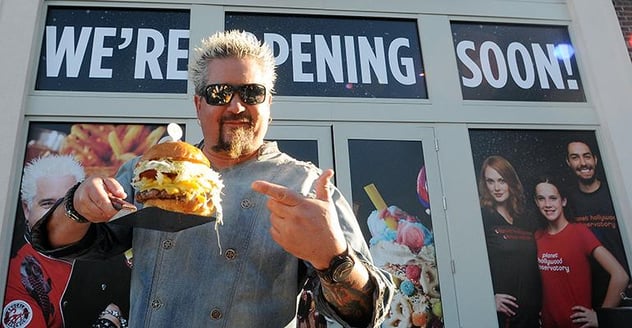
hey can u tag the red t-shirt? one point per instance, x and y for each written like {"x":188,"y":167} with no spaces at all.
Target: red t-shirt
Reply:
{"x":35,"y":286}
{"x":564,"y":265}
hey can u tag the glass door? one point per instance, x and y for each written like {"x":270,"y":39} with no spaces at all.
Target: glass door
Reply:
{"x":391,"y":175}
{"x":307,"y":143}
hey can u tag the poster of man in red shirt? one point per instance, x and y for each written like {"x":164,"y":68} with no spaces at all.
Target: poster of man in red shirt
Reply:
{"x":47,"y":292}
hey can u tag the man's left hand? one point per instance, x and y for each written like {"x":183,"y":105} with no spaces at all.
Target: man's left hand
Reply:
{"x":306,"y":227}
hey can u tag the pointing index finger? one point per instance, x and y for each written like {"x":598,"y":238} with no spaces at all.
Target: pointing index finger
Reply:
{"x":277,"y":192}
{"x":323,"y":186}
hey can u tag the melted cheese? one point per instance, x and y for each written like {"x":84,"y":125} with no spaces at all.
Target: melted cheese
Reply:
{"x":185,"y":173}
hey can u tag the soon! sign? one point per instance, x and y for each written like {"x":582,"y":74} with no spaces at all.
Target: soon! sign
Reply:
{"x":516,"y":62}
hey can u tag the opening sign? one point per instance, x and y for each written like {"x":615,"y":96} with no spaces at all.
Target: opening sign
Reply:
{"x":147,"y":50}
{"x":340,"y":56}
{"x":516,"y":62}
{"x":114,"y":50}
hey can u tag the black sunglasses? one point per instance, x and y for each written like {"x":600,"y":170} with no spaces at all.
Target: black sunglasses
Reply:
{"x":222,"y":94}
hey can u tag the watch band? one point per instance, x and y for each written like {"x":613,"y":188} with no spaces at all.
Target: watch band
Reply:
{"x":339,"y":269}
{"x":69,"y":206}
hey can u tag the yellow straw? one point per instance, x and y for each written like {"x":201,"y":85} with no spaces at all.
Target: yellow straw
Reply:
{"x":375,"y":197}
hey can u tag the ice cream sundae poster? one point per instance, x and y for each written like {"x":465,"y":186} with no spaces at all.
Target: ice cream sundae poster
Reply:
{"x":390,"y":198}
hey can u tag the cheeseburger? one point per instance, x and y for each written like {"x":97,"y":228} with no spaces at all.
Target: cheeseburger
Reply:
{"x":176,"y":176}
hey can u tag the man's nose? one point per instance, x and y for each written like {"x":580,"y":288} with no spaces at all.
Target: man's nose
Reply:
{"x":236,"y":105}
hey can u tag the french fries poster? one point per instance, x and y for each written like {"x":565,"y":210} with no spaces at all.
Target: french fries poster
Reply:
{"x":100,"y":148}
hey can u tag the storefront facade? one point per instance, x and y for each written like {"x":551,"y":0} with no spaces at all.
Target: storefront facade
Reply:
{"x":410,"y":97}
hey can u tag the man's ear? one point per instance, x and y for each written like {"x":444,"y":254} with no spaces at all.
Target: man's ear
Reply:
{"x":25,"y":208}
{"x":27,"y":213}
{"x":197,"y":102}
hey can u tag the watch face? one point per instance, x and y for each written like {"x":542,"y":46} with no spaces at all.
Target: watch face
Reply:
{"x":343,"y":270}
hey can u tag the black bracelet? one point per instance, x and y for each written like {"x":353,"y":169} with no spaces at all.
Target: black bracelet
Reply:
{"x":117,"y":315}
{"x":103,"y":323}
{"x":69,"y":206}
